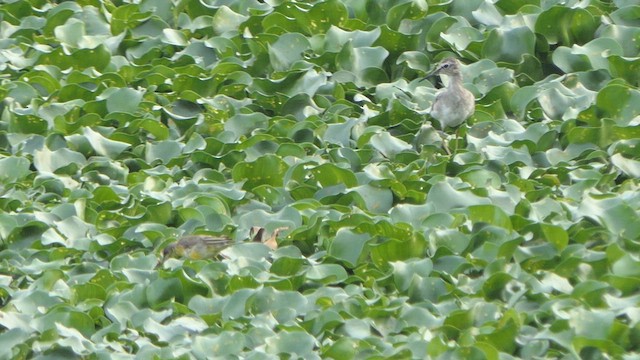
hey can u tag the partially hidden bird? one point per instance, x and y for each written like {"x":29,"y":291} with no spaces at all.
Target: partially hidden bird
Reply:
{"x":196,"y":247}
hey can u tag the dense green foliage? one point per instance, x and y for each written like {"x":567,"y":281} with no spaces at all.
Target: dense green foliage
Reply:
{"x":126,"y":124}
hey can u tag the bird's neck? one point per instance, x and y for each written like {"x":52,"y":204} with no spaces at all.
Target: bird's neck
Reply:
{"x":455,"y":81}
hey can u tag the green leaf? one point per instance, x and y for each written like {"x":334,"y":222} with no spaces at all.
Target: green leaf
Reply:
{"x":104,"y":146}
{"x":619,"y":102}
{"x":296,"y":343}
{"x":555,"y":235}
{"x":165,"y":151}
{"x":587,"y":57}
{"x":394,"y":250}
{"x":226,"y":343}
{"x":444,"y":198}
{"x":162,"y":290}
{"x":13,"y":169}
{"x":266,"y":170}
{"x":405,"y":271}
{"x":287,"y":50}
{"x":122,"y":100}
{"x":61,"y":160}
{"x":329,"y":175}
{"x":327,"y":273}
{"x":509,"y":45}
{"x":226,"y":20}
{"x":244,"y":124}
{"x":388,"y":145}
{"x":349,"y":247}
{"x":628,"y":166}
{"x":565,"y":25}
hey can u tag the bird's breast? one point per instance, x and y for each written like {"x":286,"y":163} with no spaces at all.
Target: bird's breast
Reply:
{"x":452,"y":108}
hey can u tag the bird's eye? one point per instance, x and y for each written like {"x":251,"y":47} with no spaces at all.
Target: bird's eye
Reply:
{"x":445,"y":66}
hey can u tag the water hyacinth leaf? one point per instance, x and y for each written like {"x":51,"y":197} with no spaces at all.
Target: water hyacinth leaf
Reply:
{"x":628,"y":166}
{"x":48,"y":161}
{"x":296,"y":343}
{"x":394,"y":250}
{"x":626,"y":36}
{"x":290,"y":266}
{"x":324,"y":15}
{"x":462,"y":37}
{"x":287,"y":50}
{"x":330,"y":175}
{"x":627,"y":265}
{"x":453,"y":240}
{"x":555,"y":235}
{"x":360,"y":61}
{"x":98,"y":58}
{"x":10,"y":341}
{"x":165,"y":151}
{"x":613,"y":213}
{"x":66,"y":317}
{"x":426,"y":289}
{"x":183,"y":110}
{"x":349,"y":246}
{"x":73,"y":34}
{"x":504,"y":337}
{"x":13,"y":169}
{"x":564,"y":25}
{"x":243,"y":124}
{"x":174,"y":37}
{"x":587,"y":57}
{"x":266,"y":170}
{"x":21,"y":92}
{"x":404,"y":271}
{"x":378,"y":200}
{"x":620,"y":102}
{"x":104,"y":146}
{"x":415,"y":60}
{"x":226,"y":20}
{"x":122,"y":100}
{"x":510,"y":45}
{"x":327,"y":273}
{"x":336,"y":38}
{"x":444,"y":198}
{"x":486,"y":14}
{"x":490,"y":214}
{"x":226,"y":343}
{"x":486,"y":75}
{"x":388,"y":145}
{"x":199,"y":85}
{"x":396,"y":42}
{"x":126,"y":17}
{"x":162,"y":290}
{"x":625,"y":68}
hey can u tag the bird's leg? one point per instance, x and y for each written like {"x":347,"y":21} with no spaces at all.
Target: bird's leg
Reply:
{"x":445,"y":142}
{"x":457,"y":137}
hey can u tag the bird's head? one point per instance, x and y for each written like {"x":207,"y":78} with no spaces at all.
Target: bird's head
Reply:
{"x":448,"y":66}
{"x":169,"y":251}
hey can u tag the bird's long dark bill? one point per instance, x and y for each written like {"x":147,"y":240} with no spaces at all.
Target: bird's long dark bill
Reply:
{"x":432,"y":73}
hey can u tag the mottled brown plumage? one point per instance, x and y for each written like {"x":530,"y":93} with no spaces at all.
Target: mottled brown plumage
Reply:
{"x":197,"y":247}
